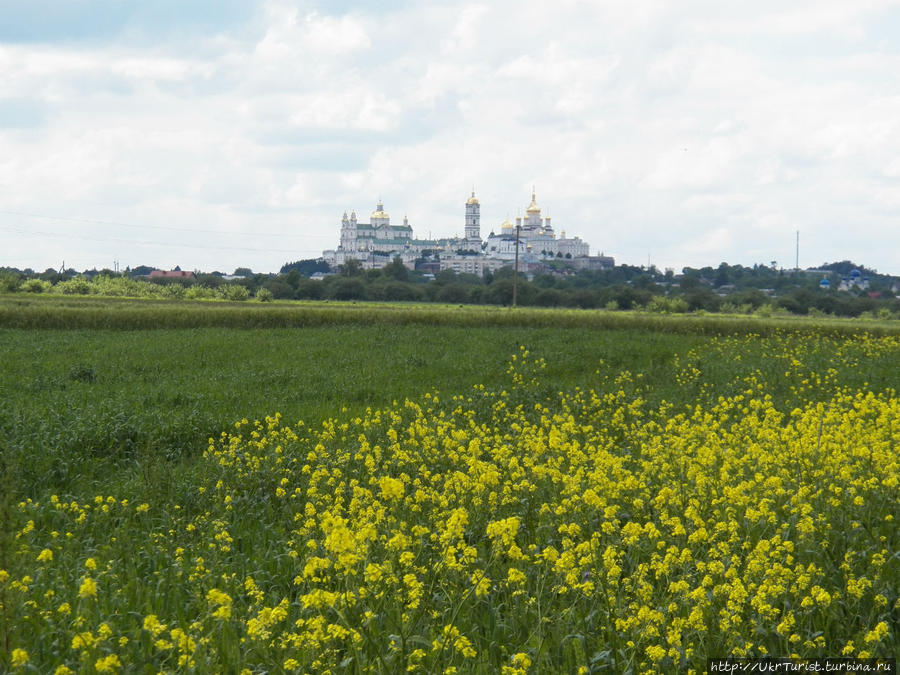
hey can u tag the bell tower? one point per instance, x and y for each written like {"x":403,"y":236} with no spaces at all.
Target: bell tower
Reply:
{"x":473,"y":222}
{"x":348,"y":232}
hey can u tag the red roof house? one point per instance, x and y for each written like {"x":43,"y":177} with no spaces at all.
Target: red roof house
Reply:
{"x":173,"y":274}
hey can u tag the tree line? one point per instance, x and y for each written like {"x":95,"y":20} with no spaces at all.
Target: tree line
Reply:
{"x":762,"y":289}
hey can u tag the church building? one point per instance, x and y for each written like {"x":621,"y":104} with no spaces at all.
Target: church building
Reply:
{"x":376,"y":243}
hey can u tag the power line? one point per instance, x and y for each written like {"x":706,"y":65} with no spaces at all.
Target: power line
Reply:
{"x":92,"y":221}
{"x":138,"y":242}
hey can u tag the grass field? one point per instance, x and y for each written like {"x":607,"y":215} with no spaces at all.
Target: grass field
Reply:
{"x":471,"y":490}
{"x":75,"y":397}
{"x":71,"y":312}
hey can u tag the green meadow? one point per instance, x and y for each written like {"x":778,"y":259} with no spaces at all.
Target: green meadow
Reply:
{"x":325,"y":487}
{"x":94,"y":388}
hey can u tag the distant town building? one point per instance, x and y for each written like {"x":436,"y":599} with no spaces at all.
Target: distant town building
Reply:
{"x":172,"y":274}
{"x":854,"y":280}
{"x":376,"y":243}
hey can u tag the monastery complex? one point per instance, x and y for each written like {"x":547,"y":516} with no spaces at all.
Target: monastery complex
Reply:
{"x":377,"y":243}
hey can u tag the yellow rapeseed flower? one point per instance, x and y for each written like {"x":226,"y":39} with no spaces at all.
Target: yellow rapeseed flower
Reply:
{"x":88,"y":588}
{"x":877,"y":634}
{"x":108,"y":664}
{"x":84,"y":640}
{"x":153,"y":625}
{"x":19,"y":658}
{"x":221,"y":601}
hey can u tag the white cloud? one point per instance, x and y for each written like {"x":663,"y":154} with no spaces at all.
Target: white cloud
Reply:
{"x":465,"y":34}
{"x":696,"y":132}
{"x":292,"y":36}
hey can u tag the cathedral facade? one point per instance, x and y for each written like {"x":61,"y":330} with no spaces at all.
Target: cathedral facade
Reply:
{"x":377,"y":243}
{"x":536,"y":236}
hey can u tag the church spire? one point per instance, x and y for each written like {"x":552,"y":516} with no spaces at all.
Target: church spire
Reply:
{"x":533,"y":207}
{"x":473,"y":220}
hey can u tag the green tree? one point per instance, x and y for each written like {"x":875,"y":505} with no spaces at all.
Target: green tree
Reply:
{"x":351,"y":268}
{"x":310,"y":290}
{"x":549,"y":297}
{"x":234,"y":292}
{"x":292,"y":278}
{"x":306,"y":268}
{"x":35,"y":286}
{"x":348,"y":288}
{"x":396,"y":270}
{"x":210,"y":280}
{"x":500,"y":292}
{"x":9,"y":282}
{"x":446,"y":276}
{"x":453,"y":294}
{"x":398,"y":290}
{"x":586,"y":298}
{"x":280,"y":289}
{"x":702,"y":298}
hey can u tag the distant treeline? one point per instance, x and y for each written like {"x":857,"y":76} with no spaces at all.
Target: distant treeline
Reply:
{"x":761,"y":289}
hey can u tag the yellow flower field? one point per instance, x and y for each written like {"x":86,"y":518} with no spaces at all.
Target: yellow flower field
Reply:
{"x":513,"y":531}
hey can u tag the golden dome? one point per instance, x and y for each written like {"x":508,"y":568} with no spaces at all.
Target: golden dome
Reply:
{"x":506,"y":225}
{"x":379,"y":211}
{"x":473,"y":199}
{"x":533,"y":207}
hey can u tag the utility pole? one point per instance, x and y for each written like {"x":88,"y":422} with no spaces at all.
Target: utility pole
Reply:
{"x":516,"y":268}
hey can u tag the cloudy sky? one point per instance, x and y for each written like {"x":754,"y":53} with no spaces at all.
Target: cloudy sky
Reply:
{"x":214,"y":134}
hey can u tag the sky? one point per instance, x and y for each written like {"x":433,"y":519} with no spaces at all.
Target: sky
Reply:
{"x":217,"y":134}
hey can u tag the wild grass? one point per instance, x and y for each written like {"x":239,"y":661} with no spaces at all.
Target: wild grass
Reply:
{"x":117,"y":400}
{"x":73,"y":312}
{"x":591,"y":501}
{"x":80,"y":406}
{"x":88,"y":406}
